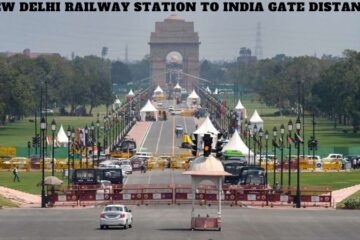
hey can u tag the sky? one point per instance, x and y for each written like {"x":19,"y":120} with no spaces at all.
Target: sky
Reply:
{"x":221,"y":34}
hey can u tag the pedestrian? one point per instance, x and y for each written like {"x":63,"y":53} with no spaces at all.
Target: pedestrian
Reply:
{"x":354,"y":163}
{"x":16,"y":174}
{"x":358,"y":163}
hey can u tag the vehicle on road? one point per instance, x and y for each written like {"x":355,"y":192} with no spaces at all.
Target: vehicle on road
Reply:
{"x":234,"y":167}
{"x":92,"y":176}
{"x":47,"y":111}
{"x":332,"y":157}
{"x":186,"y":141}
{"x":126,"y":166}
{"x":138,"y":162}
{"x":176,"y":112}
{"x":116,"y":215}
{"x":179,"y":130}
{"x":171,"y":108}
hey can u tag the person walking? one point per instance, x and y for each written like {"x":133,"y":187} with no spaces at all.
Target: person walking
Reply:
{"x":16,"y":174}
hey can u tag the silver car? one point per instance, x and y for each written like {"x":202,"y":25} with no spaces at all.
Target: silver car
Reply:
{"x":116,"y":215}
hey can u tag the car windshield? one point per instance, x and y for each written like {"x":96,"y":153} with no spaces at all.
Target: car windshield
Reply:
{"x":113,"y":209}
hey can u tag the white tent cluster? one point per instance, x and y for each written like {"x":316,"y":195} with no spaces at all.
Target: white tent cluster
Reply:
{"x":216,"y":91}
{"x":61,"y":137}
{"x":207,"y":128}
{"x":177,"y":86}
{"x":208,"y":89}
{"x":131,"y":93}
{"x":193,"y":99}
{"x":148,"y":111}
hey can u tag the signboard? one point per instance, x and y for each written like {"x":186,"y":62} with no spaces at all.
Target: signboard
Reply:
{"x":8,"y":151}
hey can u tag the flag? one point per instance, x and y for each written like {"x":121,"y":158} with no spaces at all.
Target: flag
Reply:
{"x":48,"y":140}
{"x":298,"y":138}
{"x":290,"y":140}
{"x":275,"y":144}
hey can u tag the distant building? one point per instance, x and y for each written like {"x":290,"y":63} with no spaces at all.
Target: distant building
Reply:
{"x":28,"y":53}
{"x":245,"y":56}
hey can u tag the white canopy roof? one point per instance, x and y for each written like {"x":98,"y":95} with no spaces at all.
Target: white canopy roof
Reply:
{"x":177,"y":86}
{"x":206,"y":127}
{"x":207,"y":166}
{"x":255,"y":118}
{"x":208,"y":89}
{"x":236,"y":144}
{"x":216,"y":91}
{"x":158,"y":90}
{"x":239,"y":106}
{"x":61,"y":136}
{"x":117,"y":101}
{"x":193,"y":95}
{"x":131,"y":93}
{"x":148,"y":107}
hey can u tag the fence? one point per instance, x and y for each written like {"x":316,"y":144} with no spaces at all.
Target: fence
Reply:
{"x":182,"y":194}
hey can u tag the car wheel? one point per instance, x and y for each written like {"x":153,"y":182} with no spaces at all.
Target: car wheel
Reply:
{"x":131,"y":224}
{"x":106,"y":227}
{"x":126,"y":225}
{"x":101,"y":227}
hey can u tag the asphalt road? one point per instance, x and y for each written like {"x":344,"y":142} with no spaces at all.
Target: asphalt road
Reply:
{"x":167,"y":176}
{"x":173,"y":222}
{"x":161,"y":138}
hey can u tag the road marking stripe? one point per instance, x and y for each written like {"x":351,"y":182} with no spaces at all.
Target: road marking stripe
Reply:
{"x":145,"y":136}
{"x":149,"y":179}
{"x":173,"y":130}
{"x":186,"y":130}
{"x":158,"y":141}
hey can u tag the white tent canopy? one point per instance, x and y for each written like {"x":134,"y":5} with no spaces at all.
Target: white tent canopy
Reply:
{"x":158,"y":90}
{"x":236,"y":144}
{"x":256,"y":119}
{"x":177,"y":86}
{"x":208,"y":89}
{"x":216,"y":91}
{"x":148,"y":109}
{"x":131,"y":93}
{"x":239,"y":106}
{"x":206,"y":127}
{"x":193,"y":99}
{"x":61,"y":136}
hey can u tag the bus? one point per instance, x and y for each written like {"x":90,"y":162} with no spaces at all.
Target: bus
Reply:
{"x":91,"y":176}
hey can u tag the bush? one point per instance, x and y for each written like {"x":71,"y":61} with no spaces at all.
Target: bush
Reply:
{"x":352,"y":204}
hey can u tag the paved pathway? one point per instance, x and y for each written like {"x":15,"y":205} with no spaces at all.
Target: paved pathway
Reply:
{"x":138,"y":132}
{"x":343,"y":193}
{"x":24,"y":199}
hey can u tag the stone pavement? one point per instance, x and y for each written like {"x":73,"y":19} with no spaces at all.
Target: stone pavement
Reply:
{"x":22,"y":198}
{"x":343,"y":193}
{"x":138,"y":132}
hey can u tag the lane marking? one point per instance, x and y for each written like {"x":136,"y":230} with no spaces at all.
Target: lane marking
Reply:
{"x":158,"y":141}
{"x":186,"y":130}
{"x":145,"y":136}
{"x":149,"y":179}
{"x":173,"y":130}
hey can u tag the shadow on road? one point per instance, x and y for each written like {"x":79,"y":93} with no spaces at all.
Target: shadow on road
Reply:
{"x":174,"y":229}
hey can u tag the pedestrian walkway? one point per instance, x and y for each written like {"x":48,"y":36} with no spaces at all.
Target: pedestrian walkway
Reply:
{"x":23,"y":198}
{"x":343,"y":193}
{"x":138,"y":132}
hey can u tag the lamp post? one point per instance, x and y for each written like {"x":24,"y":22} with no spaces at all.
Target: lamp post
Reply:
{"x":73,"y":147}
{"x":298,"y":141}
{"x":282,"y":132}
{"x":53,"y":128}
{"x":43,"y":128}
{"x":97,"y":130}
{"x":266,"y":155}
{"x":260,"y":144}
{"x":248,"y":137}
{"x":105,"y":131}
{"x":290,"y":127}
{"x":254,"y":132}
{"x":86,"y":144}
{"x":69,"y":142}
{"x":81,"y":146}
{"x":274,"y":145}
{"x":93,"y":143}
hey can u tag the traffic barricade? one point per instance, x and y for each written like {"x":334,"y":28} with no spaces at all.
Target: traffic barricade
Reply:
{"x":159,"y":194}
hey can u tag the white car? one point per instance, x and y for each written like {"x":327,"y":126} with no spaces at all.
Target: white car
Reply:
{"x":116,"y":215}
{"x":126,"y":166}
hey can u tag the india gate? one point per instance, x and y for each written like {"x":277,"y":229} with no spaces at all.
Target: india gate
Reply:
{"x":174,"y":53}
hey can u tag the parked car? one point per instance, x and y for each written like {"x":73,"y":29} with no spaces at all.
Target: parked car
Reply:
{"x":47,"y":111}
{"x":116,"y":215}
{"x":126,"y":166}
{"x":333,"y":157}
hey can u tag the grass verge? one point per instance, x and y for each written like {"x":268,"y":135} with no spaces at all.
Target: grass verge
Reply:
{"x":353,"y":196}
{"x":6,"y":203}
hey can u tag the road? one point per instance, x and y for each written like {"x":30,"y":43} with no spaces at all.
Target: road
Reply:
{"x":161,"y":138}
{"x":167,"y":176}
{"x":173,"y":222}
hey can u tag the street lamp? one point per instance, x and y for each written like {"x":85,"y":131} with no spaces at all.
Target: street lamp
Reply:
{"x":248,"y":137}
{"x":69,"y":141}
{"x":97,"y":129}
{"x":73,"y":147}
{"x":53,"y":128}
{"x":81,"y":146}
{"x":260,"y":143}
{"x":43,"y":128}
{"x":92,"y":143}
{"x":282,"y":132}
{"x":86,"y":144}
{"x":267,"y":156}
{"x":274,"y":145}
{"x":254,"y":132}
{"x":298,"y":141}
{"x":290,"y":127}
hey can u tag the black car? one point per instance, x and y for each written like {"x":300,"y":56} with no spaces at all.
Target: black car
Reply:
{"x":234,"y":167}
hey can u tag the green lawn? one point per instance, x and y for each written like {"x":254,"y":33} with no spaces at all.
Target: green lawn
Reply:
{"x":335,"y":180}
{"x":28,"y":181}
{"x":4,"y":202}
{"x":20,"y":132}
{"x":353,"y":196}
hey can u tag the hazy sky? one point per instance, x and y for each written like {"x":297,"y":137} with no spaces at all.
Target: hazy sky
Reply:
{"x":222,"y":34}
